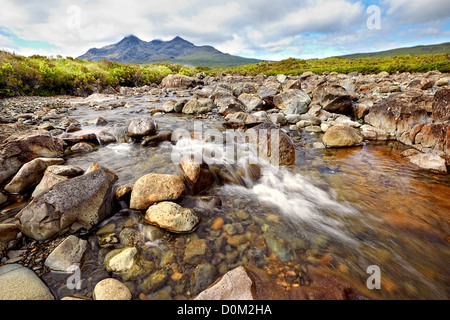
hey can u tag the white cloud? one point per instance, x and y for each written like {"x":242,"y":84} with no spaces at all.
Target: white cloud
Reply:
{"x":414,"y":11}
{"x":258,"y":28}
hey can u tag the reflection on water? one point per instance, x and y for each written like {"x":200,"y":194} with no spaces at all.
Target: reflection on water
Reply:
{"x":345,"y":209}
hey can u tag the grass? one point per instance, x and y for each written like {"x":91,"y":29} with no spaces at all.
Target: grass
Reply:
{"x":37,"y":75}
{"x":417,"y":50}
{"x":405,"y":63}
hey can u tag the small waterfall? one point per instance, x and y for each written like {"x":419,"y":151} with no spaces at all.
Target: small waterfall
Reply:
{"x":291,"y":194}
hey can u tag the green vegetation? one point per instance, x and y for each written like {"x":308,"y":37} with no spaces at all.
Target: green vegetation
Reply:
{"x":37,"y":75}
{"x":418,"y":50}
{"x":406,"y":63}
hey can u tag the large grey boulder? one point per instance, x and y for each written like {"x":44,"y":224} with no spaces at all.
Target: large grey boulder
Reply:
{"x":81,"y":202}
{"x":292,"y":101}
{"x":333,"y":98}
{"x":53,"y":175}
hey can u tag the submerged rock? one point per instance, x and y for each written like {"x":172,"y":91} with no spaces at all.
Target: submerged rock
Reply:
{"x":172,"y":217}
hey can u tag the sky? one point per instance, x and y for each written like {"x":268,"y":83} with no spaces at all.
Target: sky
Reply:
{"x":263,"y":29}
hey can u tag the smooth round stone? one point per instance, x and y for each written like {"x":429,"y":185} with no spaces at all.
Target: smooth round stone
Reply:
{"x":111,"y":289}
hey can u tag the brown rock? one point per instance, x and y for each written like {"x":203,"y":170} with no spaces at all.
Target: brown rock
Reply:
{"x":173,"y":217}
{"x":441,"y":105}
{"x":21,"y":148}
{"x":342,"y":136}
{"x":154,"y":187}
{"x":279,"y":151}
{"x":178,"y":81}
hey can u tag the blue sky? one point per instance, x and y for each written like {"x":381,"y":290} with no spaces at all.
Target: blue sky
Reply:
{"x":253,"y":28}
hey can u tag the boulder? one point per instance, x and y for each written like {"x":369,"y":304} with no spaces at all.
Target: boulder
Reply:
{"x":121,"y":260}
{"x":398,"y":114}
{"x":81,"y":202}
{"x":342,"y":136}
{"x":251,"y":101}
{"x":68,"y":253}
{"x":234,"y":285}
{"x":20,"y":283}
{"x":169,"y":106}
{"x":273,"y":144}
{"x":372,"y":133}
{"x":106,"y":138}
{"x":8,"y":232}
{"x":441,"y":105}
{"x":53,"y":175}
{"x":23,"y":147}
{"x":193,"y":106}
{"x":248,"y":119}
{"x":173,"y":217}
{"x":178,"y":81}
{"x":333,"y":98}
{"x":81,"y":147}
{"x":30,"y":174}
{"x":228,"y":104}
{"x":154,"y":187}
{"x":429,"y":161}
{"x":144,"y":126}
{"x":292,"y":101}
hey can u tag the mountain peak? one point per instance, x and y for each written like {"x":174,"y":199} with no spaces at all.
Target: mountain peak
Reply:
{"x":131,"y":49}
{"x":130,"y":39}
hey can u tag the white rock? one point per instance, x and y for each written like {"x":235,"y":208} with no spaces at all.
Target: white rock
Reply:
{"x":429,"y":161}
{"x":234,"y":285}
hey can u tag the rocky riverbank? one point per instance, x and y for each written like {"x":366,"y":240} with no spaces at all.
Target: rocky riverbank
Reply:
{"x":54,"y":214}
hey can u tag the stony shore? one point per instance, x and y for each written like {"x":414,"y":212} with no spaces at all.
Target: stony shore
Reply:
{"x":48,"y":204}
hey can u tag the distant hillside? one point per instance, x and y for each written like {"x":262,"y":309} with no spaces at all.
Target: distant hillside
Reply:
{"x":133,"y":50}
{"x":418,"y":50}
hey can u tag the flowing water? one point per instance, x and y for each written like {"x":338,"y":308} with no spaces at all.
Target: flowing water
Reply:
{"x":342,"y":209}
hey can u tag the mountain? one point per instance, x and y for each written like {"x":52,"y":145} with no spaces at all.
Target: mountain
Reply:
{"x":131,"y":49}
{"x":428,"y":49}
